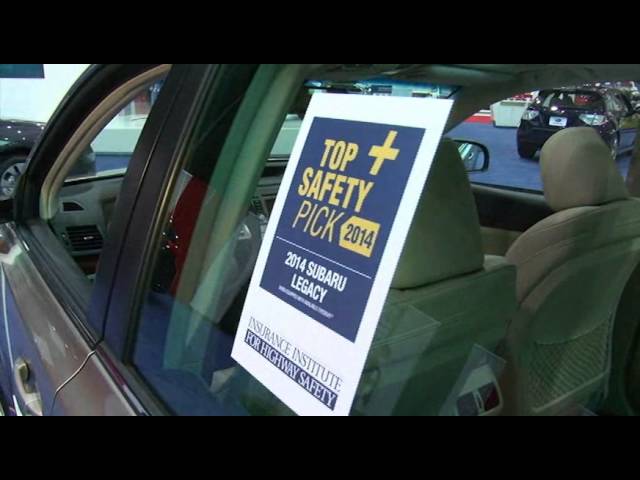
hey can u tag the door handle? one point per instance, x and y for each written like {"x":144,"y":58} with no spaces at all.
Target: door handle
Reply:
{"x":27,"y":393}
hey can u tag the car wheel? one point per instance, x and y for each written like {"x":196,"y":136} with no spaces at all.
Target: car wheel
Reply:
{"x":10,"y":172}
{"x":526,"y":150}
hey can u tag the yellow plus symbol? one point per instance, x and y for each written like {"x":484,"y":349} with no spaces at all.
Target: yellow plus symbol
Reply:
{"x":384,"y":152}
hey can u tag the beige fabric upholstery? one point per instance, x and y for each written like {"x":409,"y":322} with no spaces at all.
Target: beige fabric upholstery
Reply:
{"x":444,"y":240}
{"x":569,"y":234}
{"x":426,"y":336}
{"x":577,"y":170}
{"x":445,"y":299}
{"x":572,"y":269}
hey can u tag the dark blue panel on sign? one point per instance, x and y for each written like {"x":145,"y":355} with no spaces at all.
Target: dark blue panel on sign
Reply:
{"x":337,"y":218}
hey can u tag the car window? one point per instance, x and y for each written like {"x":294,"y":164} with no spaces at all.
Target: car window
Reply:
{"x":87,"y":202}
{"x":516,"y":129}
{"x":502,"y":303}
{"x":496,"y":128}
{"x":200,"y":275}
{"x":570,"y":99}
{"x":113,"y":146}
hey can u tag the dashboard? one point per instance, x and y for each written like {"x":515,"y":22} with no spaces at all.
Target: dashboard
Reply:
{"x":84,"y":213}
{"x":86,"y":208}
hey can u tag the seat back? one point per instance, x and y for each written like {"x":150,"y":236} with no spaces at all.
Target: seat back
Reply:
{"x":572,"y":269}
{"x":445,"y":299}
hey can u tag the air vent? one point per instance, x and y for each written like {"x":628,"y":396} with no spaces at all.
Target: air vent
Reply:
{"x":71,"y":207}
{"x":84,"y":238}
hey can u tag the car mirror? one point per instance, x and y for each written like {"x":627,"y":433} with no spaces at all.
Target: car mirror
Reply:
{"x":475,"y":156}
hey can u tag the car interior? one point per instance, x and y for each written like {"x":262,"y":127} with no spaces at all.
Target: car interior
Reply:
{"x":505,"y":301}
{"x":81,"y":193}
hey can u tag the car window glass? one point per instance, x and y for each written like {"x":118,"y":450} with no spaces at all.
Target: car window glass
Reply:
{"x":192,"y":308}
{"x":504,"y":302}
{"x":113,"y":146}
{"x":516,"y":129}
{"x":88,"y":199}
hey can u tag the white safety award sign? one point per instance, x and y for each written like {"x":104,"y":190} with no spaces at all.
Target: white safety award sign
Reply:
{"x":332,"y":245}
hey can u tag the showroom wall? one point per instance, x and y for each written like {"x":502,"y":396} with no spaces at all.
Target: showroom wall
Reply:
{"x":36,"y":98}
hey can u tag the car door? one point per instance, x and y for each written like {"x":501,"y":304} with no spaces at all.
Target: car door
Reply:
{"x":207,"y":131}
{"x":53,"y":311}
{"x":101,"y":386}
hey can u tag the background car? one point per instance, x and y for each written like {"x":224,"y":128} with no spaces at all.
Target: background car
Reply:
{"x":553,"y":110}
{"x":17,"y":138}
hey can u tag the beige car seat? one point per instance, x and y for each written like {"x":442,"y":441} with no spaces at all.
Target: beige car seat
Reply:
{"x":572,"y":269}
{"x":446,"y":298}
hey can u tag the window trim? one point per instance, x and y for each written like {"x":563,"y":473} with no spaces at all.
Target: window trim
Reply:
{"x":104,"y":175}
{"x":151,"y":196}
{"x":162,"y":162}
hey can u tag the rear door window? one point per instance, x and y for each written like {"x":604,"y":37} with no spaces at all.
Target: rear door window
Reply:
{"x":568,"y":99}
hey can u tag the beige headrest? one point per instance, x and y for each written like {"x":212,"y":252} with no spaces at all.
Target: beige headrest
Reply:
{"x":444,"y":240}
{"x":578,"y":170}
